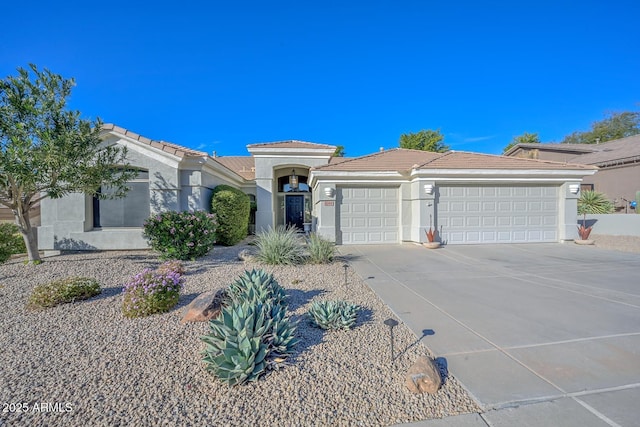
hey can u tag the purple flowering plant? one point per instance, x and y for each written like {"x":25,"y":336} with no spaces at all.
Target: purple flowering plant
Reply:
{"x":181,"y":235}
{"x":151,"y":292}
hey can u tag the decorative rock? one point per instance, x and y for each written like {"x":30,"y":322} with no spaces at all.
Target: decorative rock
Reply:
{"x":245,"y":255}
{"x":204,"y":308}
{"x":423,"y":376}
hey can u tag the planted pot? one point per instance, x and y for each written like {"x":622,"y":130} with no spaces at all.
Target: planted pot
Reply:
{"x":431,"y":245}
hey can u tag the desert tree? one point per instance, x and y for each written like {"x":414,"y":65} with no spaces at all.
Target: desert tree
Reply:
{"x":48,"y":150}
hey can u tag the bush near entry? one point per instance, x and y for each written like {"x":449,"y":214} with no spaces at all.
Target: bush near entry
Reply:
{"x":231,"y":207}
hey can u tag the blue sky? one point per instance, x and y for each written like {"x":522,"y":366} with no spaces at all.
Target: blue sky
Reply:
{"x":220,"y":75}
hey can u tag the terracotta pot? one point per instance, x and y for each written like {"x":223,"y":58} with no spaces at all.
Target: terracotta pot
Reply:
{"x":431,"y":245}
{"x":584,"y":242}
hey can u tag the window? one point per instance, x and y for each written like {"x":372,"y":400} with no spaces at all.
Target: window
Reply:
{"x":129,"y":211}
{"x":284,"y":187}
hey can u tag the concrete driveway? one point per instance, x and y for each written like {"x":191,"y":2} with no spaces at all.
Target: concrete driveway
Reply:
{"x":540,"y":334}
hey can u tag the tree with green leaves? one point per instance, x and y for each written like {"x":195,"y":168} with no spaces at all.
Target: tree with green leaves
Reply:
{"x":339,"y":151}
{"x":425,"y":140}
{"x":47,"y":150}
{"x":525,"y":138}
{"x":614,"y":126}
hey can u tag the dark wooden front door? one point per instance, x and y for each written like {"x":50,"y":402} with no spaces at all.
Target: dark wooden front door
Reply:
{"x":294,"y":210}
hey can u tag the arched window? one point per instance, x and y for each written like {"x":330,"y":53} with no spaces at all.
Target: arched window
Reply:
{"x":284,"y":187}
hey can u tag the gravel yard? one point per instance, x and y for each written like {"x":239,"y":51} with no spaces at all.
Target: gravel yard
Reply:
{"x":617,"y":243}
{"x":85,"y":364}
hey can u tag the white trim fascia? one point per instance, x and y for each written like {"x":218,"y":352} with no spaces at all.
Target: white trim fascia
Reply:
{"x":334,"y":176}
{"x":288,"y":156}
{"x":144,"y":149}
{"x":288,"y":152}
{"x":433,"y":173}
{"x":478,"y":180}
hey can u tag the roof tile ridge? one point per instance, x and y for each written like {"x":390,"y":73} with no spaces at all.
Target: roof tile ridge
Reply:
{"x":351,"y":159}
{"x":438,"y":157}
{"x":149,"y":141}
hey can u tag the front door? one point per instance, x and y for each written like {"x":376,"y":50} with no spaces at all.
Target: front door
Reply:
{"x":294,"y":210}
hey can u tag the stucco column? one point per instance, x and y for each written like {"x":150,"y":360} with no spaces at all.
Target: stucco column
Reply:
{"x":568,"y":211}
{"x":325,"y":201}
{"x":265,"y":203}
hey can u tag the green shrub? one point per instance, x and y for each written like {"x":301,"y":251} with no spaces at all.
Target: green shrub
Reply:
{"x":279,"y":246}
{"x":181,"y":235}
{"x":321,"y":250}
{"x":151,"y":292}
{"x":11,"y":241}
{"x":232,"y":208}
{"x":333,"y":314}
{"x":63,"y":291}
{"x":253,"y":334}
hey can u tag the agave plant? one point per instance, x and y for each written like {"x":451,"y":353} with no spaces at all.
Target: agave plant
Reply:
{"x":257,"y":286}
{"x":253,"y":333}
{"x":333,"y":314}
{"x":591,"y":202}
{"x":281,"y":338}
{"x":235,"y":350}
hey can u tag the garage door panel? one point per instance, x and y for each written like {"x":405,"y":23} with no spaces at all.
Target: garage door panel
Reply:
{"x":498,"y":214}
{"x":368,"y":215}
{"x":489,"y":221}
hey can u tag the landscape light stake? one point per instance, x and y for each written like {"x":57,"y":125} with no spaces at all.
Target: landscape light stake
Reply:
{"x":346,"y":266}
{"x":391,"y":323}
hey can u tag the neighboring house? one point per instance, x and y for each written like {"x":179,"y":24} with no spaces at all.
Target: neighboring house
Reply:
{"x":384,"y":198}
{"x":6,"y":215}
{"x":618,"y":163}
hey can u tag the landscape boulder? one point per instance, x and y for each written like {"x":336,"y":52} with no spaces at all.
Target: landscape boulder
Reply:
{"x":204,"y":308}
{"x":423,"y":376}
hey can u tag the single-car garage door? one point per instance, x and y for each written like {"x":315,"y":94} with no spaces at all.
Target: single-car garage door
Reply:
{"x":498,"y":214}
{"x":368,"y":215}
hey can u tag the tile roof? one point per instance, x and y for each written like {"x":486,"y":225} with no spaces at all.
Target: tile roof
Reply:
{"x":389,"y":160}
{"x":167,"y":147}
{"x":616,"y":151}
{"x":242,"y":165}
{"x":400,"y":159}
{"x":466,"y":160}
{"x":556,"y":146}
{"x":291,"y":144}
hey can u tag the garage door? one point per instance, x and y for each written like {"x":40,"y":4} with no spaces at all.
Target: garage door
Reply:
{"x":368,"y":215}
{"x":498,"y":214}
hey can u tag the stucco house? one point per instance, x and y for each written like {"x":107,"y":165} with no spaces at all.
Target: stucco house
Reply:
{"x":618,"y":163}
{"x":387,"y":197}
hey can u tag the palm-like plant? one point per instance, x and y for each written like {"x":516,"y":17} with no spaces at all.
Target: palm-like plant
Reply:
{"x":591,"y":202}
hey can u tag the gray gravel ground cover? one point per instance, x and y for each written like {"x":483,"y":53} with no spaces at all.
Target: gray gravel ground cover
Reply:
{"x":85,"y":364}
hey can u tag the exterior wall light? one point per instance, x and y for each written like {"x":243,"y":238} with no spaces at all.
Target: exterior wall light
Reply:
{"x":428,"y":188}
{"x":329,"y":191}
{"x":574,"y":188}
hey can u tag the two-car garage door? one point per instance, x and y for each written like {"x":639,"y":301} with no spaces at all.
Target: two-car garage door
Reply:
{"x":498,"y":214}
{"x":465,"y":214}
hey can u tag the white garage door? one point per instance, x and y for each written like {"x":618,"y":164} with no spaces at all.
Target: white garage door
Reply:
{"x":498,"y":214}
{"x":368,"y":215}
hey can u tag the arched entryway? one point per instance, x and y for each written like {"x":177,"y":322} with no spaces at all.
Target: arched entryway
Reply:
{"x":294,"y":198}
